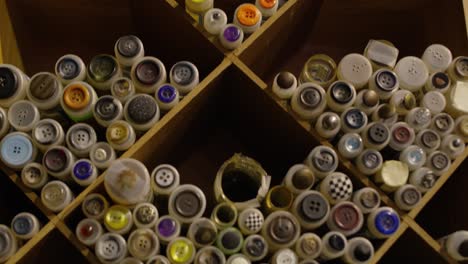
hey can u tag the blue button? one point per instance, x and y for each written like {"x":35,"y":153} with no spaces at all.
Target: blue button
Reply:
{"x":22,"y":225}
{"x":167,"y":93}
{"x":16,"y":149}
{"x":353,"y":143}
{"x":83,"y":170}
{"x":387,"y":222}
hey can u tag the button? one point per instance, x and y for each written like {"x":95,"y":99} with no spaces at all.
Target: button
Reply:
{"x":386,"y":80}
{"x":111,"y":248}
{"x":118,"y":132}
{"x":34,"y":175}
{"x":437,"y":57}
{"x":285,"y":80}
{"x":117,"y":218}
{"x":370,"y":98}
{"x":165,"y":175}
{"x":440,"y":81}
{"x":303,"y":178}
{"x":102,"y":68}
{"x":325,"y":160}
{"x":167,"y":93}
{"x":310,"y":244}
{"x":340,"y":186}
{"x":214,"y":20}
{"x":47,"y":131}
{"x":363,"y":252}
{"x":310,"y":97}
{"x":463,"y":126}
{"x":355,"y":69}
{"x":232,"y":33}
{"x":107,"y":107}
{"x":8,"y":243}
{"x":76,"y":96}
{"x":382,"y":53}
{"x":342,"y":92}
{"x":352,"y":143}
{"x":225,"y":214}
{"x":203,"y":232}
{"x":439,"y":160}
{"x":387,"y":222}
{"x":130,"y":260}
{"x":81,"y":136}
{"x":284,"y":256}
{"x":68,"y":68}
{"x":148,"y":72}
{"x":158,"y":259}
{"x":142,"y":108}
{"x":372,"y":159}
{"x":17,"y":150}
{"x":187,"y":204}
{"x":386,"y":111}
{"x":434,"y":101}
{"x":268,"y":3}
{"x":122,"y":88}
{"x":23,"y":224}
{"x":8,"y":82}
{"x":143,"y":243}
{"x":336,"y":242}
{"x":210,"y":255}
{"x":330,"y":122}
{"x":180,"y":250}
{"x":129,"y":46}
{"x":22,"y":115}
{"x":347,"y":216}
{"x":248,"y":15}
{"x":401,"y":134}
{"x":145,"y":215}
{"x":255,"y":246}
{"x":314,"y":206}
{"x":83,"y":169}
{"x":369,"y":198}
{"x":56,"y":195}
{"x":230,"y":240}
{"x":282,"y":229}
{"x":412,"y":73}
{"x":101,"y":154}
{"x":44,"y":86}
{"x":461,"y":66}
{"x":88,"y":231}
{"x":355,"y":118}
{"x":415,"y":155}
{"x":443,"y":122}
{"x":378,"y":133}
{"x":251,"y":219}
{"x":183,"y":73}
{"x":411,"y":196}
{"x":320,"y":69}
{"x":94,"y":206}
{"x":167,"y":227}
{"x":430,"y":139}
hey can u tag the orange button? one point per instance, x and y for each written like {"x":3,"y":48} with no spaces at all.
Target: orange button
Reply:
{"x":76,"y":96}
{"x":267,"y":3}
{"x":248,"y":14}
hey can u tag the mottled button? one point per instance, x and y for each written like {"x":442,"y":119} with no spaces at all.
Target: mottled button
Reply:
{"x":461,"y":66}
{"x":255,"y":246}
{"x":68,"y":68}
{"x":310,"y":97}
{"x":232,"y":33}
{"x":141,"y":109}
{"x":369,"y":199}
{"x":341,"y":92}
{"x":430,"y":139}
{"x":8,"y":82}
{"x":378,"y":133}
{"x":370,"y":98}
{"x":129,"y":46}
{"x":282,"y":229}
{"x":387,"y":222}
{"x":324,"y":160}
{"x":167,"y":93}
{"x":336,"y":242}
{"x":121,"y":88}
{"x":106,"y":107}
{"x":187,"y":204}
{"x":314,"y":207}
{"x":22,"y":225}
{"x":46,"y":131}
{"x":440,"y":160}
{"x":285,"y":80}
{"x":355,"y":118}
{"x":102,"y":68}
{"x":205,"y":235}
{"x":183,"y":73}
{"x":371,"y":159}
{"x":44,"y":86}
{"x":401,"y":134}
{"x":83,"y":169}
{"x":440,"y":80}
{"x":146,"y":214}
{"x":148,"y":72}
{"x":346,"y":216}
{"x":411,"y":196}
{"x":386,"y":80}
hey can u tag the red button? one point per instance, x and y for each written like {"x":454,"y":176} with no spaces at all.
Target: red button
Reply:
{"x":87,"y":230}
{"x":346,"y":216}
{"x":401,"y":134}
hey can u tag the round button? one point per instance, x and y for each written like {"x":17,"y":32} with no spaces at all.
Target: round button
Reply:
{"x":353,"y":143}
{"x":148,"y":72}
{"x":370,"y":98}
{"x":167,"y":227}
{"x":310,"y":245}
{"x":303,"y":178}
{"x":232,"y":33}
{"x":111,"y":247}
{"x":94,"y":206}
{"x":102,"y":68}
{"x":310,"y":97}
{"x":33,"y":175}
{"x":210,"y":255}
{"x":46,"y":131}
{"x":117,"y":217}
{"x":76,"y":96}
{"x":347,"y":216}
{"x":461,"y":66}
{"x":248,"y":14}
{"x":129,"y":46}
{"x":440,"y":160}
{"x":371,"y":159}
{"x":158,"y":259}
{"x":118,"y":132}
{"x":88,"y":231}
{"x":341,"y":92}
{"x":17,"y":149}
{"x":314,"y":207}
{"x":81,"y":136}
{"x":68,"y":68}
{"x":180,"y":250}
{"x":340,"y":186}
{"x":363,"y":252}
{"x":44,"y":86}
{"x":143,"y":243}
{"x":369,"y":199}
{"x":7,"y":243}
{"x":183,"y":73}
{"x":336,"y":242}
{"x":285,"y":80}
{"x":142,"y":108}
{"x":386,"y":80}
{"x":437,"y":57}
{"x":187,"y":204}
{"x":378,"y":133}
{"x":268,"y":3}
{"x":355,"y":118}
{"x":167,"y":93}
{"x":230,"y":239}
{"x":252,"y":219}
{"x":430,"y":139}
{"x":22,"y":224}
{"x":284,"y":256}
{"x":411,"y":196}
{"x":320,"y":69}
{"x":325,"y":160}
{"x":107,"y":107}
{"x":8,"y":82}
{"x":440,"y":81}
{"x":387,"y":222}
{"x":83,"y":169}
{"x":330,"y":122}
{"x":255,"y":246}
{"x":55,"y":195}
{"x":412,"y":73}
{"x":386,"y":111}
{"x":145,"y":214}
{"x":165,"y":176}
{"x":282,"y":229}
{"x":421,"y":116}
{"x":443,"y":122}
{"x":22,"y":114}
{"x":428,"y":180}
{"x":401,"y":134}
{"x":355,"y":69}
{"x":122,"y":88}
{"x":203,"y":232}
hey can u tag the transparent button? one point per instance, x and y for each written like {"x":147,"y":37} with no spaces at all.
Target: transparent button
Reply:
{"x":56,"y":195}
{"x":319,"y":69}
{"x":353,"y":143}
{"x":111,"y":248}
{"x":118,"y":218}
{"x":180,"y":251}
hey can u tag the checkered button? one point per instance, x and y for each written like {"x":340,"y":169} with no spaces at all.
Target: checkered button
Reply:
{"x":340,"y":187}
{"x":251,"y":220}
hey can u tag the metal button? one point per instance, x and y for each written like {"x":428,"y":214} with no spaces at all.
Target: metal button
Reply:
{"x":325,"y":160}
{"x":183,"y":73}
{"x":46,"y":131}
{"x":330,"y":122}
{"x":167,"y":93}
{"x":143,"y":243}
{"x":102,"y":68}
{"x":371,"y":159}
{"x":81,"y":136}
{"x":314,"y":207}
{"x":461,"y":66}
{"x":282,"y":229}
{"x":111,"y":247}
{"x":148,"y":72}
{"x":440,"y":80}
{"x":167,"y":226}
{"x":187,"y":204}
{"x":370,"y":98}
{"x":310,"y":97}
{"x":346,"y":216}
{"x":22,"y":114}
{"x":165,"y":176}
{"x":369,"y":198}
{"x":17,"y":149}
{"x":430,"y":139}
{"x":180,"y":250}
{"x":107,"y":107}
{"x":340,"y":186}
{"x":230,"y":239}
{"x":44,"y":86}
{"x":232,"y":33}
{"x":386,"y":80}
{"x":401,"y":134}
{"x":378,"y":133}
{"x":94,"y":206}
{"x":142,"y":108}
{"x":386,"y":111}
{"x":22,"y":224}
{"x":83,"y":169}
{"x":145,"y":214}
{"x":129,"y":46}
{"x":68,"y":68}
{"x":256,"y":246}
{"x":336,"y":242}
{"x":303,"y":178}
{"x":285,"y":80}
{"x":440,"y":160}
{"x":387,"y":222}
{"x":342,"y":92}
{"x":411,"y":196}
{"x":443,"y":122}
{"x":355,"y":118}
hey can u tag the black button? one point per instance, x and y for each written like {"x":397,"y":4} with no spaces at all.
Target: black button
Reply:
{"x":129,"y":46}
{"x":362,"y":252}
{"x":187,"y":204}
{"x":378,"y":133}
{"x":463,"y":249}
{"x":314,"y":207}
{"x":336,"y":242}
{"x":43,"y":86}
{"x":148,"y":72}
{"x":231,"y":240}
{"x":341,"y":92}
{"x":142,"y":108}
{"x":8,"y":82}
{"x":285,"y":80}
{"x":106,"y":107}
{"x":55,"y":160}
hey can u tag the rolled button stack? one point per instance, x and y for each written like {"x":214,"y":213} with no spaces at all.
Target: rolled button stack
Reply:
{"x":401,"y":120}
{"x":51,"y":123}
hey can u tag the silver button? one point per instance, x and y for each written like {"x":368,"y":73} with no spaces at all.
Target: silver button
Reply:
{"x":386,"y":80}
{"x":342,"y":92}
{"x":81,"y":137}
{"x":330,"y":121}
{"x":310,"y":97}
{"x":145,"y":215}
{"x":325,"y":160}
{"x":111,"y":247}
{"x":378,"y":133}
{"x":47,"y":131}
{"x":355,"y":118}
{"x":143,"y":244}
{"x":183,"y":73}
{"x":411,"y":196}
{"x":422,"y":116}
{"x":187,"y":204}
{"x":371,"y":159}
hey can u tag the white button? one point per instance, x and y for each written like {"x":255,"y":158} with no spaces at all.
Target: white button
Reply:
{"x":56,"y":196}
{"x":23,"y":115}
{"x":437,"y":58}
{"x":102,"y":154}
{"x":46,"y":133}
{"x":80,"y":138}
{"x":165,"y":178}
{"x":381,"y":53}
{"x":285,"y":256}
{"x":111,"y":248}
{"x":143,"y":244}
{"x":434,"y":101}
{"x":355,"y":69}
{"x":412,"y":73}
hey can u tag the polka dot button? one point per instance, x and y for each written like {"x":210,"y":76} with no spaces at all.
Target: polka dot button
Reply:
{"x":76,"y":96}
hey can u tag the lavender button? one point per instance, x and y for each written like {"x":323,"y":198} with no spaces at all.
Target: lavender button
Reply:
{"x":167,"y":94}
{"x":232,"y":33}
{"x":167,"y":227}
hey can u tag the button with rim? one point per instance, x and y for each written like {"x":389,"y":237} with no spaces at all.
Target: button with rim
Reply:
{"x":387,"y":221}
{"x":57,"y":159}
{"x":439,"y":81}
{"x":210,"y":255}
{"x":94,"y":206}
{"x":102,"y":154}
{"x":371,"y":159}
{"x":111,"y":248}
{"x":25,"y":225}
{"x":232,"y":33}
{"x":69,"y":67}
{"x":48,"y":132}
{"x":203,"y":232}
{"x":34,"y":175}
{"x":118,"y":133}
{"x":122,"y":88}
{"x":319,"y":69}
{"x":354,"y":118}
{"x":401,"y":134}
{"x":310,"y":97}
{"x":281,"y":230}
{"x":84,"y":172}
{"x":80,"y":138}
{"x":255,"y":247}
{"x":44,"y":87}
{"x":165,"y":176}
{"x":56,"y":195}
{"x":386,"y":80}
{"x":429,"y":139}
{"x":214,"y":20}
{"x":410,"y":196}
{"x":443,"y":123}
{"x":167,"y":228}
{"x":439,"y":161}
{"x":8,"y":243}
{"x":17,"y":150}
{"x":23,"y":115}
{"x":187,"y":202}
{"x":309,"y":246}
{"x":118,"y":219}
{"x":102,"y":68}
{"x":461,"y":66}
{"x":143,"y":244}
{"x":342,"y":92}
{"x":313,"y":206}
{"x":248,"y":15}
{"x":145,"y":215}
{"x":378,"y":133}
{"x":180,"y":251}
{"x":284,"y":256}
{"x":268,"y":3}
{"x":345,"y":217}
{"x":88,"y":231}
{"x":107,"y":108}
{"x":166,"y":94}
{"x":183,"y":73}
{"x":367,"y":199}
{"x":76,"y":96}
{"x":325,"y":159}
{"x":9,"y":81}
{"x":230,"y":240}
{"x":129,"y":46}
{"x":148,"y":72}
{"x":158,"y":259}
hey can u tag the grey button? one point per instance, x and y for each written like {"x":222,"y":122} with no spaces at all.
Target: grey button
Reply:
{"x":461,"y":66}
{"x":141,"y":109}
{"x":32,"y":174}
{"x":282,"y":229}
{"x":422,"y":116}
{"x":314,"y":207}
{"x":148,"y":72}
{"x":94,"y":205}
{"x":255,"y":246}
{"x":369,"y":199}
{"x":440,"y":80}
{"x":22,"y":225}
{"x":159,"y":259}
{"x":187,"y":204}
{"x":336,"y":242}
{"x":106,"y":107}
{"x":44,"y":86}
{"x":285,"y":80}
{"x":371,"y":159}
{"x":146,"y":214}
{"x":443,"y":122}
{"x":378,"y":133}
{"x":324,"y":160}
{"x":440,"y":160}
{"x":354,"y":118}
{"x":81,"y":136}
{"x":428,"y":180}
{"x":165,"y":176}
{"x":129,"y":46}
{"x":6,"y":242}
{"x":386,"y":80}
{"x":310,"y":97}
{"x":411,"y":196}
{"x":56,"y":159}
{"x":183,"y":73}
{"x":68,"y":68}
{"x":111,"y":247}
{"x":430,"y":139}
{"x":231,"y":239}
{"x":46,"y":132}
{"x":22,"y":113}
{"x":102,"y":68}
{"x":341,"y":92}
{"x":330,"y":122}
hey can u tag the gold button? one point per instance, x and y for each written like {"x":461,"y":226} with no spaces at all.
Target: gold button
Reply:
{"x":117,"y":132}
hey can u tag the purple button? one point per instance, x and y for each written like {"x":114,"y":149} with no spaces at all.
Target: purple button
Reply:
{"x":83,"y":170}
{"x":232,"y":33}
{"x":167,"y":227}
{"x":167,"y":93}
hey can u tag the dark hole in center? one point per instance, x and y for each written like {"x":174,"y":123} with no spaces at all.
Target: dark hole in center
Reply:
{"x":225,"y":214}
{"x":238,"y":186}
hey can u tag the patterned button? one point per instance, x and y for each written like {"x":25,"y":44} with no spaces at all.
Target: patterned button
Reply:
{"x":148,"y":72}
{"x":341,"y":92}
{"x":183,"y":73}
{"x":129,"y":46}
{"x":378,"y":133}
{"x":310,"y":97}
{"x":314,"y":206}
{"x":142,"y":108}
{"x":340,"y":186}
{"x":68,"y":68}
{"x":146,"y":213}
{"x":44,"y":85}
{"x":102,"y":68}
{"x":386,"y":80}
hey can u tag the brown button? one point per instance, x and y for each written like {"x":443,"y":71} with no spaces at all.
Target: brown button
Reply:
{"x":346,"y":216}
{"x":386,"y":111}
{"x":44,"y":85}
{"x":303,"y":178}
{"x":370,"y":98}
{"x":285,"y":80}
{"x":401,"y":134}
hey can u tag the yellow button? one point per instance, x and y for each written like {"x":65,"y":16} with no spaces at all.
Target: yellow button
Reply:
{"x":117,"y":217}
{"x":267,"y":3}
{"x":248,"y":14}
{"x":198,"y":1}
{"x":76,"y":96}
{"x":463,"y":127}
{"x":117,"y":133}
{"x":181,"y":251}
